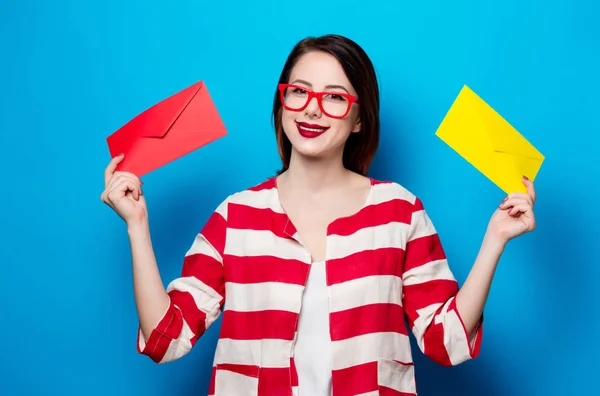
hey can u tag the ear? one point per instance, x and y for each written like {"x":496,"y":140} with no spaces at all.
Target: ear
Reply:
{"x":357,"y":126}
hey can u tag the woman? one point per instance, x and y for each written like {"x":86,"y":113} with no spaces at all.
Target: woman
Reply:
{"x":319,"y":265}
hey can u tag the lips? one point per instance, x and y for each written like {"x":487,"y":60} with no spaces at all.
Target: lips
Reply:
{"x":310,"y":130}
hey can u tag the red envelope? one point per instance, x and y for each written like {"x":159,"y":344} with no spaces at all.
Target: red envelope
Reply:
{"x":168,"y":130}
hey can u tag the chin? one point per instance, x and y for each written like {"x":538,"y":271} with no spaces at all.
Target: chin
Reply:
{"x":308,"y":148}
{"x":310,"y":154}
{"x":315,"y":148}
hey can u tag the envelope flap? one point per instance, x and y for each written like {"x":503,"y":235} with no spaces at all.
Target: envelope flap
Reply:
{"x":158,"y":119}
{"x":506,"y":139}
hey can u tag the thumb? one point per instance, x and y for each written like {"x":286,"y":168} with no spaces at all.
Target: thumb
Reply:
{"x":112,"y":165}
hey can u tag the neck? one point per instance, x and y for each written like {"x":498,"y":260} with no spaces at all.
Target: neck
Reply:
{"x":315,"y":174}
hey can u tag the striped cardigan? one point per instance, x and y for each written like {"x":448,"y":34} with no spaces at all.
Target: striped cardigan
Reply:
{"x":384,"y":264}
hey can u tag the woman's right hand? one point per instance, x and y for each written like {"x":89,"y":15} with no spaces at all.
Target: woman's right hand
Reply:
{"x":123,"y":193}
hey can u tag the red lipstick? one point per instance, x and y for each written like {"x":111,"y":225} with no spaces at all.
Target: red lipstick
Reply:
{"x":310,"y":131}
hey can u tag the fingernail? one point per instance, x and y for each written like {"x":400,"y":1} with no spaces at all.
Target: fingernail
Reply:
{"x":525,"y":177}
{"x":502,"y":203}
{"x":120,"y":155}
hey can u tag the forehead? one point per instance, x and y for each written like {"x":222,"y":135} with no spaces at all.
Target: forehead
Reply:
{"x":320,"y":69}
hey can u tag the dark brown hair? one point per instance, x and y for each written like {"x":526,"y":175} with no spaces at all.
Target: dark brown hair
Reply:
{"x":360,"y":147}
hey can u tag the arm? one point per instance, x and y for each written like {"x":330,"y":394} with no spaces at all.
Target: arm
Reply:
{"x":473,"y":295}
{"x":513,"y":217}
{"x":151,"y":298}
{"x":172,"y":320}
{"x":429,"y":297}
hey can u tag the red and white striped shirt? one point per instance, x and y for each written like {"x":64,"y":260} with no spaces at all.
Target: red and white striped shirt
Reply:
{"x":383,"y":264}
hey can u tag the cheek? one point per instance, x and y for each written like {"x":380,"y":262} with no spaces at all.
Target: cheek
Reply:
{"x":344,"y":127}
{"x":288,"y":116}
{"x":288,"y":120}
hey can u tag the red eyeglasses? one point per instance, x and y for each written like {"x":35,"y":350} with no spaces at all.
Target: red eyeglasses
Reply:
{"x":332,"y":104}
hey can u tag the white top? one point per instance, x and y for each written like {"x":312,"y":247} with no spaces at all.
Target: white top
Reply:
{"x":312,"y":353}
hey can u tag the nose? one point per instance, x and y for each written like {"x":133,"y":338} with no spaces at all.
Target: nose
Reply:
{"x":313,"y":109}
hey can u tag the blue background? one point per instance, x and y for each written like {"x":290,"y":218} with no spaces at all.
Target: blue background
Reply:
{"x":73,"y":72}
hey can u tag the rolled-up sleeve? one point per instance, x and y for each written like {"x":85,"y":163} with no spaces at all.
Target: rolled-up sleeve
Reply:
{"x":429,"y":296}
{"x":196,"y":297}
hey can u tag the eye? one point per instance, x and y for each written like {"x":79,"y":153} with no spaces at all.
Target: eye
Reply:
{"x":336,"y":97}
{"x":298,"y":91}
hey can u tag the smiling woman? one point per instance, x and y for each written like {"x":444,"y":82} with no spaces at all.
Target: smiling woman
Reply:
{"x":321,"y":264}
{"x":335,"y":66}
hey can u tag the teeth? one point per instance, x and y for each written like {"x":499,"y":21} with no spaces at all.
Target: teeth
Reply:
{"x":313,"y":129}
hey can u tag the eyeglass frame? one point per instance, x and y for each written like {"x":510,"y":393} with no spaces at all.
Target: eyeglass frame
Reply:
{"x":319,"y":95}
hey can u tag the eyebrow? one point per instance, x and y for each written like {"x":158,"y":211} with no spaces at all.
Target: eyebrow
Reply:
{"x":326,"y":87}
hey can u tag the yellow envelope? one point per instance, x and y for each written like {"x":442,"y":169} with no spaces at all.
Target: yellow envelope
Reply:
{"x":487,"y":141}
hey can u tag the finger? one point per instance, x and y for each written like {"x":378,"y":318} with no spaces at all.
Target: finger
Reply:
{"x":110,"y":169}
{"x":519,"y":195}
{"x":132,"y":193}
{"x":519,"y":209}
{"x":121,"y":189}
{"x":119,"y":178}
{"x":510,"y":202}
{"x":136,"y":193}
{"x":530,"y":188}
{"x":130,"y":175}
{"x":132,"y":188}
{"x":104,"y":197}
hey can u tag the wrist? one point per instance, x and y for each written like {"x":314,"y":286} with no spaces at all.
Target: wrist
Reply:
{"x":138,"y":227}
{"x":494,"y":243}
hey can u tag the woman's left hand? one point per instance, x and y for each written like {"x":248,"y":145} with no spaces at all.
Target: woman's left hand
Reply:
{"x":514,"y":215}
